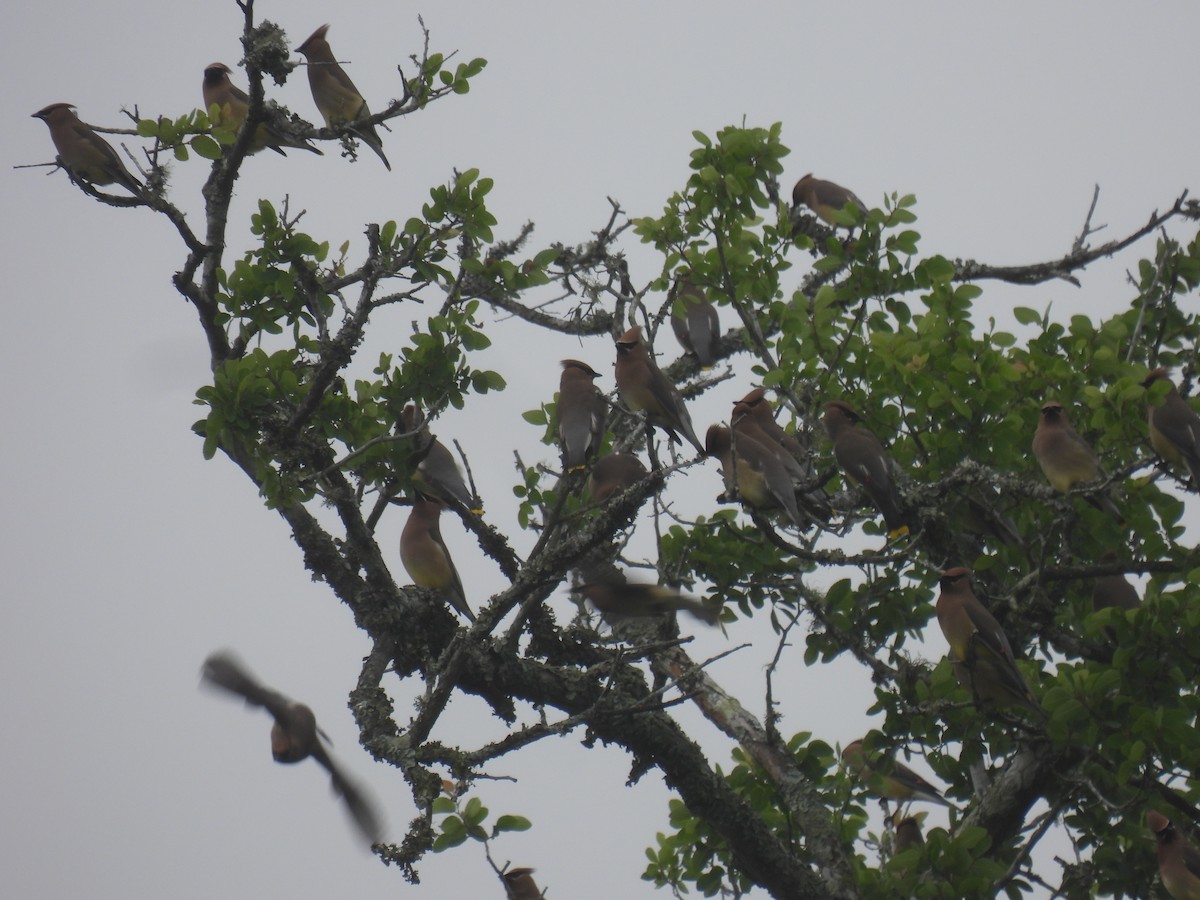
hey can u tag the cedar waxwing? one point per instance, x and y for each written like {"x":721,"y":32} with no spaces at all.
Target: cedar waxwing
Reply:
{"x":760,"y":409}
{"x":519,"y":885}
{"x":644,"y":388}
{"x":84,"y":152}
{"x":695,"y":322}
{"x":1175,"y":428}
{"x":614,"y":473}
{"x":908,"y":832}
{"x":758,"y":478}
{"x":581,"y":410}
{"x":896,"y":781}
{"x":235,"y":103}
{"x":437,"y":471}
{"x":748,"y":421}
{"x":426,"y":558}
{"x":982,"y":656}
{"x":824,"y":198}
{"x":294,"y":736}
{"x":1178,"y":860}
{"x":1066,"y":458}
{"x":615,"y":599}
{"x":1114,"y":590}
{"x":865,"y":462}
{"x":337,"y":99}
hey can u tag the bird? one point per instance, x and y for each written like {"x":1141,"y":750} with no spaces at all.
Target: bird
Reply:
{"x":824,"y":198}
{"x":294,"y":736}
{"x":760,"y":409}
{"x":1174,"y":427}
{"x":425,"y":556}
{"x":1178,"y":860}
{"x":437,"y":472}
{"x":1114,"y":590}
{"x":337,"y":99}
{"x":644,"y":388}
{"x":753,"y":473}
{"x":981,"y":653}
{"x":887,"y":777}
{"x":908,"y":832}
{"x":519,"y":885}
{"x":614,"y":473}
{"x":234,"y":104}
{"x":87,"y":155}
{"x":618,"y":599}
{"x":581,"y":410}
{"x":1065,"y":457}
{"x":750,"y":421}
{"x":695,"y":321}
{"x":865,"y":462}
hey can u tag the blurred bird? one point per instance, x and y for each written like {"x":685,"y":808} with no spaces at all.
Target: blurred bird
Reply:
{"x":908,"y":832}
{"x":426,"y":558}
{"x":234,"y":104}
{"x":865,"y":462}
{"x":889,"y":778}
{"x":437,"y":472}
{"x":581,"y":410}
{"x":1178,"y":860}
{"x":622,"y":600}
{"x":1175,"y":428}
{"x":644,"y":388}
{"x":983,"y":658}
{"x":337,"y":99}
{"x":294,"y":736}
{"x":695,"y":322}
{"x":753,"y":473}
{"x":614,"y":473}
{"x":747,"y":422}
{"x":519,"y":885}
{"x":824,"y":198}
{"x":84,"y":152}
{"x":1065,"y":457}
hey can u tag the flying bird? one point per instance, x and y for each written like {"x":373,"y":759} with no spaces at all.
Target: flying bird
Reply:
{"x":234,"y":104}
{"x":824,"y":198}
{"x":294,"y":736}
{"x":1175,"y":428}
{"x":695,"y":322}
{"x":426,"y":558}
{"x":437,"y":472}
{"x":982,"y":655}
{"x":644,"y":388}
{"x":616,"y":599}
{"x":519,"y":885}
{"x":889,"y":778}
{"x":865,"y":462}
{"x":337,"y":99}
{"x":88,"y":156}
{"x":1065,"y":457}
{"x":581,"y":410}
{"x":614,"y":473}
{"x":753,"y":473}
{"x":1178,"y":860}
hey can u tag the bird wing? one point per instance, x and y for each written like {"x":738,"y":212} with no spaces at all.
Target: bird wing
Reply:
{"x":224,"y":671}
{"x":361,"y":807}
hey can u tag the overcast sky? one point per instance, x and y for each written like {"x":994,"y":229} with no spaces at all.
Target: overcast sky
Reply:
{"x":129,"y":558}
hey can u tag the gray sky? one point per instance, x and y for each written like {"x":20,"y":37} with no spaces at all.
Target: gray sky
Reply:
{"x":129,"y":558}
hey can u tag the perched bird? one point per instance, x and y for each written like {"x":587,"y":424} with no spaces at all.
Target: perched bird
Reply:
{"x":337,"y":99}
{"x":614,"y":473}
{"x":824,"y":198}
{"x":1065,"y":457}
{"x":234,"y":104}
{"x":437,"y":472}
{"x":908,"y":832}
{"x":695,"y":322}
{"x":888,"y":777}
{"x":617,"y":599}
{"x":1114,"y":590}
{"x":581,"y":410}
{"x":749,"y":421}
{"x":753,"y":473}
{"x":865,"y":462}
{"x":760,"y":409}
{"x":983,"y":658}
{"x":1178,"y":860}
{"x":294,"y":736}
{"x":84,"y":152}
{"x":644,"y":388}
{"x":426,"y":558}
{"x":1175,"y":428}
{"x":519,"y":885}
